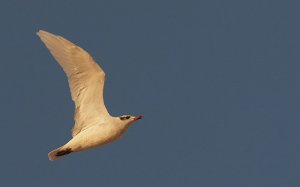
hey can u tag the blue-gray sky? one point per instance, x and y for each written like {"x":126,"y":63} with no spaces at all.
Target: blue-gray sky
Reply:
{"x":217,"y":82}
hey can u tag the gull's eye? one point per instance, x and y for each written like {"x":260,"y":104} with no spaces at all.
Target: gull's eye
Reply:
{"x":124,"y":117}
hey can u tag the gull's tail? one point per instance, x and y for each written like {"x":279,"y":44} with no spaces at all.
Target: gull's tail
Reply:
{"x":57,"y":153}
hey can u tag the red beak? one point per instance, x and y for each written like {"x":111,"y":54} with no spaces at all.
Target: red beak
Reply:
{"x":137,"y":117}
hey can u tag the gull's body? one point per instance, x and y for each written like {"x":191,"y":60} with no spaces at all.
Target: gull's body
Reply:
{"x":93,"y":124}
{"x":96,"y":135}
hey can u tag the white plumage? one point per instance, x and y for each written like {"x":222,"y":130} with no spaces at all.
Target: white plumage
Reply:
{"x":93,"y":124}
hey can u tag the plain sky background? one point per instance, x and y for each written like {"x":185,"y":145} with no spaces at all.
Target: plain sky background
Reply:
{"x":217,"y":82}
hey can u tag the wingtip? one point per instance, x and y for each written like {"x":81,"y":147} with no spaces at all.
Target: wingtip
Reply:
{"x":39,"y":32}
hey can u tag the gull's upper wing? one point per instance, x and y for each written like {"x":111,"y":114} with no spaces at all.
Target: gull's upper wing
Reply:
{"x":86,"y":80}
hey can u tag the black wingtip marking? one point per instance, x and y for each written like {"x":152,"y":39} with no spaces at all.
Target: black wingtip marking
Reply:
{"x":64,"y":152}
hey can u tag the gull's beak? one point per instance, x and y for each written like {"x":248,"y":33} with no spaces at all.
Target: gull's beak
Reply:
{"x":137,"y":118}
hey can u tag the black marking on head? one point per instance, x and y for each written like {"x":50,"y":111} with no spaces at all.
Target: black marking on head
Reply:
{"x":124,"y":117}
{"x":64,"y":152}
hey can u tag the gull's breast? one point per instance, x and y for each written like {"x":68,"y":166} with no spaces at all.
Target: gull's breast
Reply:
{"x":95,"y":136}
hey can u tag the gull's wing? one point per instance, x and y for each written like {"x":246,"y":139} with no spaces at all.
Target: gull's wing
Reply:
{"x":86,"y":80}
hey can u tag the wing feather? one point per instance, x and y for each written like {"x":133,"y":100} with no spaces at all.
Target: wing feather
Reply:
{"x":86,"y":80}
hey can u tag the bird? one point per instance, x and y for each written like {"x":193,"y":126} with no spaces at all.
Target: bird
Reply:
{"x":94,"y":126}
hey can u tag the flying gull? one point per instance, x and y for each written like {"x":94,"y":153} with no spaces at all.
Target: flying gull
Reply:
{"x":94,"y":126}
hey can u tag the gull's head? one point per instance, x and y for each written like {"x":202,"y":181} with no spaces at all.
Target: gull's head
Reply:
{"x":127,"y":119}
